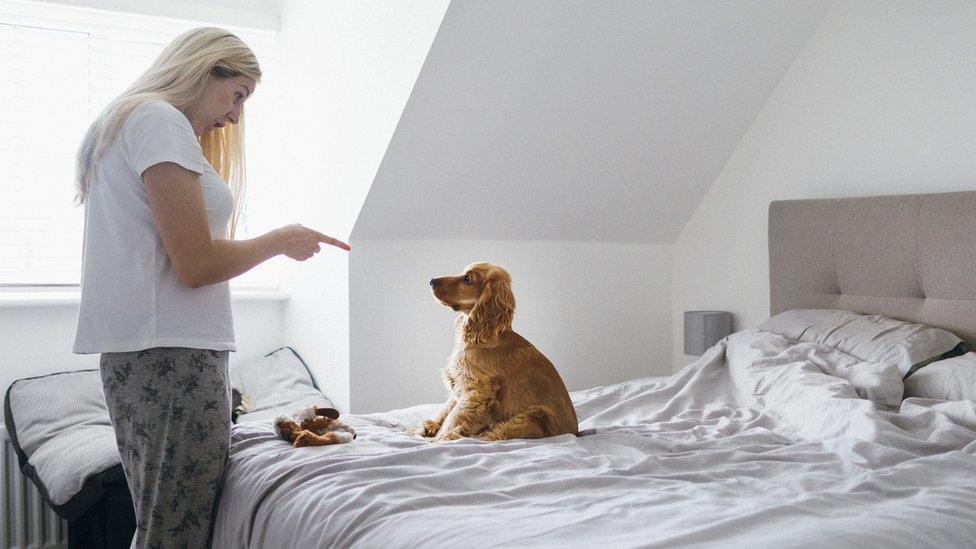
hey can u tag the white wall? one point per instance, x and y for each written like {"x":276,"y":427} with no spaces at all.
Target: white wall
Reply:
{"x":346,"y":69}
{"x":579,"y":120}
{"x":37,"y":339}
{"x":599,"y":311}
{"x":880,"y":101}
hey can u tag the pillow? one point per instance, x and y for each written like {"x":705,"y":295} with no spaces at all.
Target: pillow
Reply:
{"x":277,"y":383}
{"x":809,"y":324}
{"x":949,"y":379}
{"x":871,"y":338}
{"x":61,"y":432}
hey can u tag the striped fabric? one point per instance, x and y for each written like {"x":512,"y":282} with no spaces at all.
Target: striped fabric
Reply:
{"x":63,"y":430}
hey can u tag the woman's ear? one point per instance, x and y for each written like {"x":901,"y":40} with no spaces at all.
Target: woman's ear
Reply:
{"x":493,"y":312}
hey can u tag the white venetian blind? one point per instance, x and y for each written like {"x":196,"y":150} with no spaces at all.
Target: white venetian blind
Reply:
{"x":59,"y":67}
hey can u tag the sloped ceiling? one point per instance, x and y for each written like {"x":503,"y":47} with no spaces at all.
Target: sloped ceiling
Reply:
{"x":590,"y":121}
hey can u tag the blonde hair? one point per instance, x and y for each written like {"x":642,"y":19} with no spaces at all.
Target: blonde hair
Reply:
{"x":178,"y":76}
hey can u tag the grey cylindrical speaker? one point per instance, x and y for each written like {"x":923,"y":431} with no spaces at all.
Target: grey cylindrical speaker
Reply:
{"x":704,"y":329}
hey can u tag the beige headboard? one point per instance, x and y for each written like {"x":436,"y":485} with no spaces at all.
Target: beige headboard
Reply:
{"x":911,"y":257}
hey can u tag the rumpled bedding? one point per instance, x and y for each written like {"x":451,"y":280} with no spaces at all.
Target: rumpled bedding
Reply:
{"x":762,"y":442}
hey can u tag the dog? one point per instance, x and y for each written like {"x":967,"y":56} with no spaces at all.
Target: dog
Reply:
{"x":501,"y":387}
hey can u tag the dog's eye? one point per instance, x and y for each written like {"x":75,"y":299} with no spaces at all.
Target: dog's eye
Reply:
{"x":466,"y":279}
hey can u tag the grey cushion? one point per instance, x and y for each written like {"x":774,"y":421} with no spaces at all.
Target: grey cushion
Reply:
{"x":949,"y":379}
{"x":61,"y":432}
{"x":277,"y":383}
{"x":871,"y":338}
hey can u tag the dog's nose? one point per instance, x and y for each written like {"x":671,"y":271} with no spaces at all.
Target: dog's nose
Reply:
{"x":434,"y":282}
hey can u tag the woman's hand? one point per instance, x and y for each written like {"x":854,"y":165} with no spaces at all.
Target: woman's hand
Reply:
{"x":301,"y":243}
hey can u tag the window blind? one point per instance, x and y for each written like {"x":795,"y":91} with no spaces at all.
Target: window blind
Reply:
{"x":60,"y":67}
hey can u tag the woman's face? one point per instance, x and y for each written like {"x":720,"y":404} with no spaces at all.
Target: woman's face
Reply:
{"x":220,"y":103}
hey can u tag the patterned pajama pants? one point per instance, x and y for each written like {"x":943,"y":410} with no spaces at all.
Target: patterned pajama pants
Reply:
{"x":170,"y":408}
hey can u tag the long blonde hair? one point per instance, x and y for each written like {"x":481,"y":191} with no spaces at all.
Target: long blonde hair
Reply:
{"x":178,"y":76}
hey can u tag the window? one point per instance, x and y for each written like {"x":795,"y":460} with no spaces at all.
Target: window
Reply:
{"x":60,"y":67}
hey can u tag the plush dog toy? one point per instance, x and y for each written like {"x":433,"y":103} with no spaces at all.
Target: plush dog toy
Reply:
{"x":313,"y":426}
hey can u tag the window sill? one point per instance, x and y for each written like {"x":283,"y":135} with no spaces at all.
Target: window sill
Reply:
{"x":41,"y":296}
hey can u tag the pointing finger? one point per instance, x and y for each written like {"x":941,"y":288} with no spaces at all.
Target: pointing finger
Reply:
{"x":326,"y":239}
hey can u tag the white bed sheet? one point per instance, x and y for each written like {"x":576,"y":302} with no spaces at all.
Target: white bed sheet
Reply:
{"x":755,"y":444}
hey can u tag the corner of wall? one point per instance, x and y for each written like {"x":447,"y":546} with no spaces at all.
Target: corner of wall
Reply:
{"x":682,"y":263}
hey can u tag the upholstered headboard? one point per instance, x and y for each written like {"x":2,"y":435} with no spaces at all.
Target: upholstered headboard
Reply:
{"x":911,"y":257}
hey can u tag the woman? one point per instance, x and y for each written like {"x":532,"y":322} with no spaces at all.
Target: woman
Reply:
{"x":160,"y":173}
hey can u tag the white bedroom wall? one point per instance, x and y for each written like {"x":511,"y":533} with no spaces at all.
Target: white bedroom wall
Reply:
{"x":599,"y":311}
{"x":346,"y":71}
{"x":579,"y":120}
{"x":880,"y":101}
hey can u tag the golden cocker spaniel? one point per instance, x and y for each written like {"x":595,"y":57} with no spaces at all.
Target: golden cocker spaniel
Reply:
{"x":500,"y":386}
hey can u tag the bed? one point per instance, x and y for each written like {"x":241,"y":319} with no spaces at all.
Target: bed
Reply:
{"x":763,"y":441}
{"x":795,"y":433}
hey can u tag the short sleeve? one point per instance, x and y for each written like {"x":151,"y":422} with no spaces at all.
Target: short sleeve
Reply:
{"x":157,"y":132}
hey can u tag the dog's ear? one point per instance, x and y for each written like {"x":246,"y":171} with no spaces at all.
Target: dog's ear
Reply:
{"x":493,"y":312}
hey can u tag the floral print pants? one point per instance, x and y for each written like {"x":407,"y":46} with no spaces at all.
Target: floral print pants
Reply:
{"x":170,"y":407}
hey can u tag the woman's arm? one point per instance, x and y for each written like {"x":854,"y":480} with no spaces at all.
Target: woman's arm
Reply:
{"x":177,"y":204}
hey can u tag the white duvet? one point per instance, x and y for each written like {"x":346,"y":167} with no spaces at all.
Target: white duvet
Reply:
{"x":762,"y":442}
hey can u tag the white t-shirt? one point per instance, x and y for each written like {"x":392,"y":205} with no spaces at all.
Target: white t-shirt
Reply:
{"x":131,"y":296}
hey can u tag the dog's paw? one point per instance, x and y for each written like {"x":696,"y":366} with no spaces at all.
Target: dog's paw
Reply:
{"x":444,"y":437}
{"x":426,"y":429}
{"x":430,"y":428}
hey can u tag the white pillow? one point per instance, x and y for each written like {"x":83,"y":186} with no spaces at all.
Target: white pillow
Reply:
{"x":807,"y":325}
{"x":61,"y":431}
{"x":950,"y":379}
{"x":277,"y":383}
{"x":871,"y":338}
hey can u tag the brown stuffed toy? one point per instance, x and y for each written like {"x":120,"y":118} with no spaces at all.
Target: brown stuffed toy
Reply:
{"x":313,"y":426}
